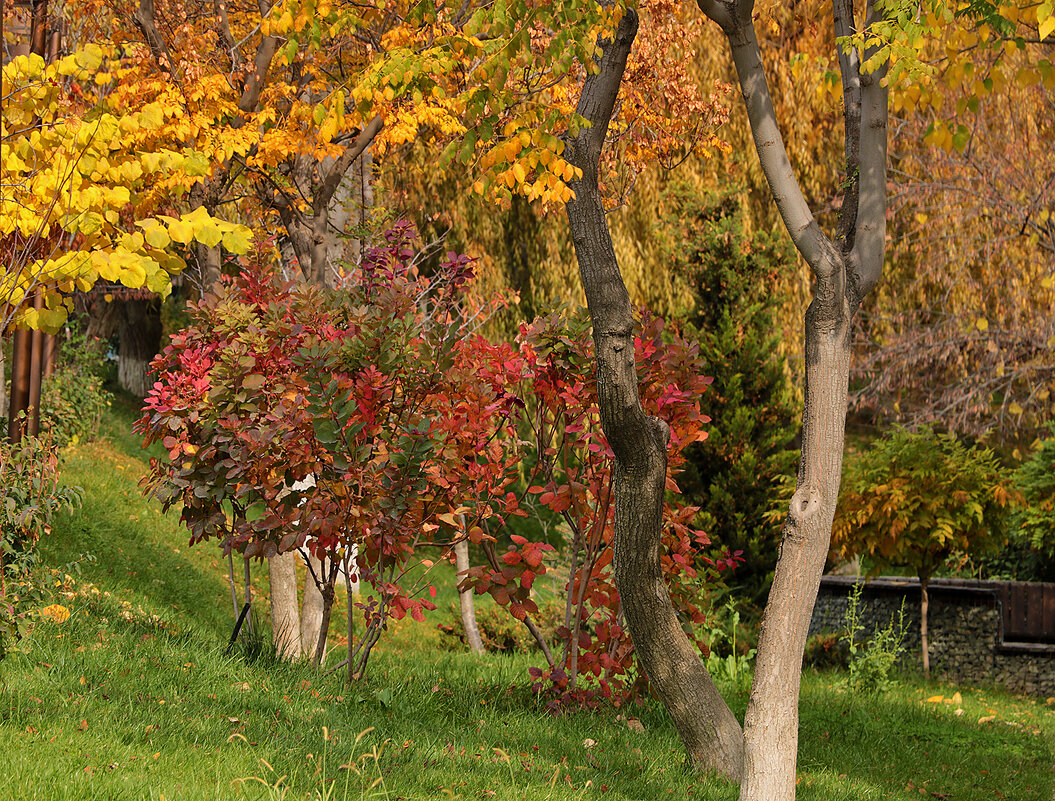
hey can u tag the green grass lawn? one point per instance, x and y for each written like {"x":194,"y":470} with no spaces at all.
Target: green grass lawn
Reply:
{"x":133,"y":698}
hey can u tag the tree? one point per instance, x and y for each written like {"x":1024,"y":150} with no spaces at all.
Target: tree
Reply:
{"x":284,"y":99}
{"x":76,"y":182}
{"x":571,"y":478}
{"x":734,"y":474}
{"x":317,"y":420}
{"x":845,"y":271}
{"x":1034,"y":521}
{"x":913,"y":499}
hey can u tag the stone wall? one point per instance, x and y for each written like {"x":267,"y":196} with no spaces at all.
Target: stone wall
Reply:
{"x":964,"y":628}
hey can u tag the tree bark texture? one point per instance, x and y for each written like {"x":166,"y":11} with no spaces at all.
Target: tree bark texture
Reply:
{"x":671,"y":662}
{"x":465,"y":600}
{"x":139,"y":338}
{"x":3,"y":382}
{"x":285,"y":618}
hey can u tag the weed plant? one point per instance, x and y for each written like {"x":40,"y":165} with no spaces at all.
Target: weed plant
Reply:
{"x":872,"y":659}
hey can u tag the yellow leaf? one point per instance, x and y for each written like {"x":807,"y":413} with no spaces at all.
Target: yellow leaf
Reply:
{"x":151,"y":117}
{"x":982,"y":324}
{"x":1046,"y":27}
{"x":55,"y":613}
{"x":238,"y":240}
{"x":1014,"y":408}
{"x":50,"y":321}
{"x":154,"y":233}
{"x":208,"y":235}
{"x":182,"y":232}
{"x":935,"y":699}
{"x":90,"y":58}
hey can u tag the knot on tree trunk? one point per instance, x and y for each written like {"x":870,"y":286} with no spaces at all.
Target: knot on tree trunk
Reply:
{"x":805,"y":503}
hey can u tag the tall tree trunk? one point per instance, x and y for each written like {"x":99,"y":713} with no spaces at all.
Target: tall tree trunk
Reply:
{"x":764,"y":757}
{"x":139,"y":339}
{"x":671,"y":662}
{"x":465,"y":599}
{"x":3,"y":381}
{"x":311,"y":613}
{"x":771,"y":724}
{"x":285,"y":617}
{"x":924,"y":608}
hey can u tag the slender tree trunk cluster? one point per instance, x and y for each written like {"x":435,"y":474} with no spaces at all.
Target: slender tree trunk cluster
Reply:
{"x":761,"y":756}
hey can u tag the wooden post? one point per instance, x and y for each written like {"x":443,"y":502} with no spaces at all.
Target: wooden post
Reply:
{"x":28,"y":347}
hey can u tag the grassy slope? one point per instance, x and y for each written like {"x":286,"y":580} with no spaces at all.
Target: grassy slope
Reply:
{"x":133,"y":698}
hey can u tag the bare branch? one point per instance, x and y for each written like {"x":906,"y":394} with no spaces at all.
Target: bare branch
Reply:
{"x":220,"y":10}
{"x":850,"y":67}
{"x":332,"y":180}
{"x":810,"y":241}
{"x":143,"y":17}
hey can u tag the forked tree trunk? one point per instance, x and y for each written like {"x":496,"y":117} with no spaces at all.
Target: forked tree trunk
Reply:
{"x":285,"y":614}
{"x":465,"y":600}
{"x":764,"y":757}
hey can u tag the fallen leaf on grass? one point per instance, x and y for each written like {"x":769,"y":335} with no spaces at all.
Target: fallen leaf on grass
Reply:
{"x":987,"y":718}
{"x":635,"y":725}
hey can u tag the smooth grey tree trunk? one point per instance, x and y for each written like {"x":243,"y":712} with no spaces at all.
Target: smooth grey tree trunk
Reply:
{"x":285,"y":617}
{"x":465,"y":599}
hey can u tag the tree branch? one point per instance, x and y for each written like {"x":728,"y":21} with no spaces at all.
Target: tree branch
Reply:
{"x":735,"y":20}
{"x":328,"y":185}
{"x":870,"y":231}
{"x":220,"y":10}
{"x":599,"y":93}
{"x":143,"y":17}
{"x":850,"y":68}
{"x":254,"y":82}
